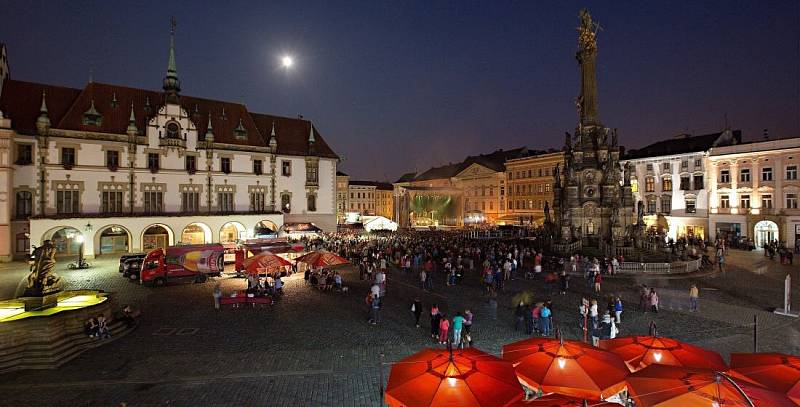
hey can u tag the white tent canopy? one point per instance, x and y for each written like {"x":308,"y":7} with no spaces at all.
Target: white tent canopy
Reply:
{"x":378,"y":223}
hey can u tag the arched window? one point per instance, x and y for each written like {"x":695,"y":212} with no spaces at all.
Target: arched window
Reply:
{"x":24,"y":204}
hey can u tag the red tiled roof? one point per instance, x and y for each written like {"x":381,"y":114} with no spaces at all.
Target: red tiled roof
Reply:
{"x":21,"y":101}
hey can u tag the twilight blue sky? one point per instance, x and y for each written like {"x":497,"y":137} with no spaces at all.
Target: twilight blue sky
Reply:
{"x":396,"y":86}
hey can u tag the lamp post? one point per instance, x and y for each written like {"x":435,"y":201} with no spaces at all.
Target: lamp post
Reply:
{"x":79,"y":237}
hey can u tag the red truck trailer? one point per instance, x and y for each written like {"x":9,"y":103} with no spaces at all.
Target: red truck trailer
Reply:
{"x":190,"y":262}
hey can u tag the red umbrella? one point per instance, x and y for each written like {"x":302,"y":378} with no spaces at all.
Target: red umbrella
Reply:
{"x":464,"y":377}
{"x":673,"y":386}
{"x":567,"y":367}
{"x":560,"y":400}
{"x":265,"y":263}
{"x":321,"y":259}
{"x":640,"y":351}
{"x":774,"y":371}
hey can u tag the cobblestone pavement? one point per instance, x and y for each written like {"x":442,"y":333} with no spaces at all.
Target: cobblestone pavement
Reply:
{"x":316,"y":349}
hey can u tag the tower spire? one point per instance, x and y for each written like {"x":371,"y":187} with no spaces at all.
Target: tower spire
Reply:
{"x":172,"y":85}
{"x":132,"y":123}
{"x":43,"y":121}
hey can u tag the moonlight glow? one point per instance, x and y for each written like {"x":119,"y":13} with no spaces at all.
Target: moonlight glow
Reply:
{"x":287,"y":61}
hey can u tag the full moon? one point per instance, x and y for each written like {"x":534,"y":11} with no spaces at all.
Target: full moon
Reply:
{"x":287,"y":61}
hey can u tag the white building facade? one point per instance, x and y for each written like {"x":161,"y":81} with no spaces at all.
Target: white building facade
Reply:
{"x":669,"y":178}
{"x":754,"y":191}
{"x":112,"y":169}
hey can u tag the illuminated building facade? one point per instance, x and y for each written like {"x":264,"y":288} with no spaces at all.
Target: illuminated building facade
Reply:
{"x":754,"y":191}
{"x":109,"y":168}
{"x":668,"y":177}
{"x":529,"y":186}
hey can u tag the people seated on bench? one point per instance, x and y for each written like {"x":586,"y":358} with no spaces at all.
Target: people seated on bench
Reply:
{"x":102,"y":327}
{"x":91,"y":328}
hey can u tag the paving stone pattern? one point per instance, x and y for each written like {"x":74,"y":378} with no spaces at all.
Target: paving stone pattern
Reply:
{"x":316,"y":349}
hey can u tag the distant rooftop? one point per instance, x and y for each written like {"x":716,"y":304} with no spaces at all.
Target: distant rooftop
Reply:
{"x":686,"y":143}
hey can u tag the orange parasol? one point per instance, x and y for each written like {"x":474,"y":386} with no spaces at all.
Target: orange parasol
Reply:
{"x":668,"y":386}
{"x":571,"y":368}
{"x":461,"y":377}
{"x":774,"y":371}
{"x":640,"y":351}
{"x":265,"y":263}
{"x":321,"y":259}
{"x":560,"y":400}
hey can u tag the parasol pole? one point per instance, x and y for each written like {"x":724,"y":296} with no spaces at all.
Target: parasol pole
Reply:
{"x":380,"y":371}
{"x":739,"y":389}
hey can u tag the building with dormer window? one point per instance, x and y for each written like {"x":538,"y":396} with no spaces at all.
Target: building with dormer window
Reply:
{"x":113,"y":169}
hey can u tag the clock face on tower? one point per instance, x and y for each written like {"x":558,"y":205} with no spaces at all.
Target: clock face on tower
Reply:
{"x":590,"y":192}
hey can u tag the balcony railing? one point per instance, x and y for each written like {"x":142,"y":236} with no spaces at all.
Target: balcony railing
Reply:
{"x":172,"y":142}
{"x":152,"y":214}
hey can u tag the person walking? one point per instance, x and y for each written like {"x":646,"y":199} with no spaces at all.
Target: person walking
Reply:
{"x":376,"y":308}
{"x":435,"y":321}
{"x":598,"y":279}
{"x":618,"y":310}
{"x":468,"y":318}
{"x":458,"y":325}
{"x":422,"y":277}
{"x":217,"y":295}
{"x":444,"y":328}
{"x":416,"y":309}
{"x":593,"y":313}
{"x":653,"y":300}
{"x":519,"y":313}
{"x":644,"y":298}
{"x":694,"y":294}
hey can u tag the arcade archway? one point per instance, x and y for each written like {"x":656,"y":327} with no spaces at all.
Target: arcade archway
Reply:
{"x":231,"y":232}
{"x":765,"y":231}
{"x":196,"y":233}
{"x":265,"y":228}
{"x":113,"y":239}
{"x":67,"y":240}
{"x":157,"y":236}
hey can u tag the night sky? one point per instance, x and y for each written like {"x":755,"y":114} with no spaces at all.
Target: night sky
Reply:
{"x":398,"y":86}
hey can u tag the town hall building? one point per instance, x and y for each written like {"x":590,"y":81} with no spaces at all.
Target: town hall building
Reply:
{"x":114,"y":169}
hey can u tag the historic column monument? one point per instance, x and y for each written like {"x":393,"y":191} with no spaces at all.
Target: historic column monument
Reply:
{"x":593,"y":203}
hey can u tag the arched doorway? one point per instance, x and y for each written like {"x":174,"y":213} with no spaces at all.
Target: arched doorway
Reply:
{"x":156,"y":236}
{"x":196,"y":233}
{"x":68,"y":241}
{"x":265,"y":228}
{"x":231,"y":232}
{"x":765,"y":231}
{"x":114,"y":239}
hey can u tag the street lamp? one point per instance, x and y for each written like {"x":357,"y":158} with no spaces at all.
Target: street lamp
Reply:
{"x":80,"y":239}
